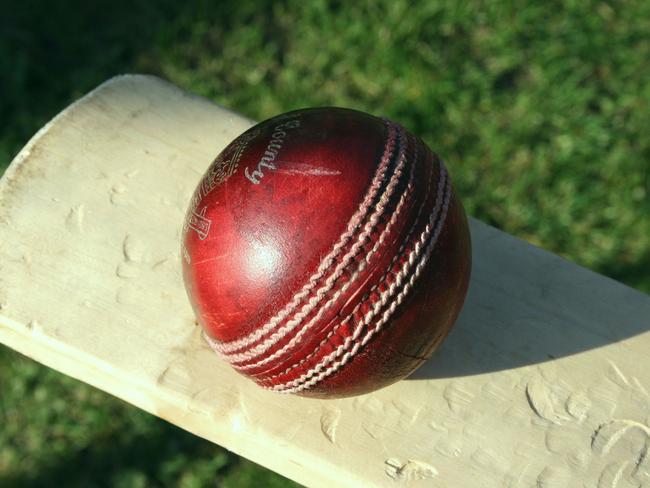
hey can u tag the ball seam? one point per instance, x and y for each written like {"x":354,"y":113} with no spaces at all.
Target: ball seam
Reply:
{"x":226,"y":347}
{"x":304,"y":382}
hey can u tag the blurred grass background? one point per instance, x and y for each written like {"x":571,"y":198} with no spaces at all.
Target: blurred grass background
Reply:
{"x":541,"y":110}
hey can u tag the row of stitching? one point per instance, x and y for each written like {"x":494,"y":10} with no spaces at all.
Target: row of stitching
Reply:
{"x":355,"y":221}
{"x":384,"y":277}
{"x":321,"y":293}
{"x":302,"y":383}
{"x":396,"y":213}
{"x":391,"y":299}
{"x":364,"y":236}
{"x":369,"y":297}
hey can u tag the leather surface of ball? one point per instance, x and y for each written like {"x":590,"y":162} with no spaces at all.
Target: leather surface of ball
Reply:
{"x":325,"y":253}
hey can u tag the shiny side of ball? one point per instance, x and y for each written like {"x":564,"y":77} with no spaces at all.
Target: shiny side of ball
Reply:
{"x":325,"y":253}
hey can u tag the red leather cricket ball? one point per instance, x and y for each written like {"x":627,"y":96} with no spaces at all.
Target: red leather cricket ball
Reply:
{"x":325,"y":253}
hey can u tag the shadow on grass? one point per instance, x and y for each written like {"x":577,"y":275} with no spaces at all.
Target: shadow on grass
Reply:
{"x":50,"y":55}
{"x":634,"y":274}
{"x":160,"y":455}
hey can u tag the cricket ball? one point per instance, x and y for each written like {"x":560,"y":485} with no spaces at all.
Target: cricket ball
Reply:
{"x":326,"y":253}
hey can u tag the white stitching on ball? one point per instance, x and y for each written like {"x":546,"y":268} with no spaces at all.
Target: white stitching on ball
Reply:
{"x":357,"y":218}
{"x":304,"y":381}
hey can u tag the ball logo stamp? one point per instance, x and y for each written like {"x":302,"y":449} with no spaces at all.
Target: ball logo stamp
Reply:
{"x":272,"y":149}
{"x":222,"y":168}
{"x":337,"y":279}
{"x":199,"y":224}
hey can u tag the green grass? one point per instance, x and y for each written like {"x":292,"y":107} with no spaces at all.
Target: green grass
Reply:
{"x":541,"y":109}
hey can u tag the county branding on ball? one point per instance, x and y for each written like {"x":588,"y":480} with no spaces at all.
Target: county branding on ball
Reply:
{"x":325,"y":253}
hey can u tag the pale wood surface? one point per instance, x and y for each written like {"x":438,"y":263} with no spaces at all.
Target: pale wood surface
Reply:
{"x":544,"y":382}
